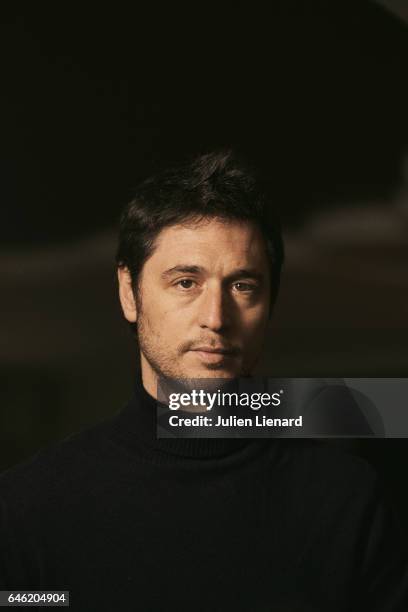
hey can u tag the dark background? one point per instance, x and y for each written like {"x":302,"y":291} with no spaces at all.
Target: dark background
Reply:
{"x":94,"y":99}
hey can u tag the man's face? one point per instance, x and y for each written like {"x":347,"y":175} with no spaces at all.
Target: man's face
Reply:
{"x":203,"y":301}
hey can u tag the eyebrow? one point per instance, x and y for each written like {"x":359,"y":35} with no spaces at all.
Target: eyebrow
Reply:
{"x":188,"y":269}
{"x":185,"y":269}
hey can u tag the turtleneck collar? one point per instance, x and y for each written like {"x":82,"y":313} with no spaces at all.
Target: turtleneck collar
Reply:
{"x":136,"y":425}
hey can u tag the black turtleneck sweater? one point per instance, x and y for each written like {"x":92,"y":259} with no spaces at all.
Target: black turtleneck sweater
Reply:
{"x":128,"y":522}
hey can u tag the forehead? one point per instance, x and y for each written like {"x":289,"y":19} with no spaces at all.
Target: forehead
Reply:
{"x":226,"y":243}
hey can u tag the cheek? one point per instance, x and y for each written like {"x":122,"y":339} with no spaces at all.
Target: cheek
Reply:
{"x":256,"y":319}
{"x":154,"y":306}
{"x":166,"y":321}
{"x":254,"y":337}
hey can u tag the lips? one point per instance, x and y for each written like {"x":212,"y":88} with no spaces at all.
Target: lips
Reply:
{"x":213,"y":354}
{"x":211,"y":349}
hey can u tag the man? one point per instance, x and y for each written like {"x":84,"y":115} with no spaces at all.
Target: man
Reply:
{"x":127,"y":521}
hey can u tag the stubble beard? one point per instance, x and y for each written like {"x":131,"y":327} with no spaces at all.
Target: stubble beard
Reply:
{"x":160,"y":359}
{"x":162,"y":362}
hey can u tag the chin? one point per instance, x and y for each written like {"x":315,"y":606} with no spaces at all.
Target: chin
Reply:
{"x":213,"y":373}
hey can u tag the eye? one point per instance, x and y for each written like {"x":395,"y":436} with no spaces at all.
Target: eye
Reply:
{"x":244,"y":287}
{"x":185,"y":283}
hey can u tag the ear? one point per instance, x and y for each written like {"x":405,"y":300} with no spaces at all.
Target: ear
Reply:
{"x":126,"y":296}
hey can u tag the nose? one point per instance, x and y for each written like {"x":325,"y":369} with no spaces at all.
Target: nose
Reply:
{"x":213,"y":309}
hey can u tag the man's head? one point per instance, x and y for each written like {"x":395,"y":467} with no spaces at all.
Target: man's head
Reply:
{"x":199,"y":263}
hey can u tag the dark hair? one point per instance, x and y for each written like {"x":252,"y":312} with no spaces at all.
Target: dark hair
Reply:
{"x":215,"y":185}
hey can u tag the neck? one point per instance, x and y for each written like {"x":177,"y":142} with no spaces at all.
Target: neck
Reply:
{"x":137,"y":426}
{"x":149,"y":377}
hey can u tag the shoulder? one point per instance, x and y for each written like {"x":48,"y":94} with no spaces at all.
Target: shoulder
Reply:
{"x":323,"y":470}
{"x":334,"y":491}
{"x":60,"y":466}
{"x":326,"y":458}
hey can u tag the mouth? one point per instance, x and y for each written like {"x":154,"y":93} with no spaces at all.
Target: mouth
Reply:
{"x":210,"y":354}
{"x":210,"y":349}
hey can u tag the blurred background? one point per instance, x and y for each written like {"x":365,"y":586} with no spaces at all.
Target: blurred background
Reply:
{"x":95,"y":99}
